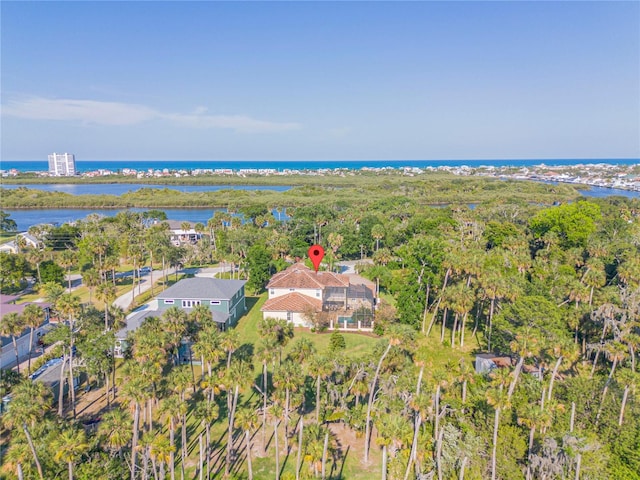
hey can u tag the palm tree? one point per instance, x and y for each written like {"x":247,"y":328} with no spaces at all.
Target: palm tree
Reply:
{"x":91,"y":278}
{"x":320,"y":368}
{"x":211,"y":225}
{"x":499,"y":400}
{"x":279,"y":329}
{"x":377,"y":232}
{"x":133,"y":390}
{"x":70,"y":446}
{"x":18,"y":456}
{"x":175,"y":324}
{"x":67,"y":259}
{"x":247,"y":420}
{"x":288,"y":378}
{"x":630,"y":380}
{"x":69,"y":306}
{"x":238,"y":377}
{"x":33,"y":316}
{"x":616,"y":352}
{"x":534,"y":417}
{"x":170,"y":410}
{"x":525,"y":345}
{"x":277,"y":412}
{"x":265,"y":353}
{"x":397,"y":336}
{"x":115,"y":429}
{"x":36,"y":257}
{"x":12,"y":326}
{"x":106,"y":292}
{"x":29,"y":404}
{"x":229,"y":342}
{"x":160,"y":452}
{"x":208,"y":412}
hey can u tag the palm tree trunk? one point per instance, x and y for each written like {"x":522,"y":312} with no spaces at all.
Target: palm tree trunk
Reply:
{"x":372,"y":393}
{"x":318,"y":379}
{"x":172,"y":455}
{"x":183,"y":444}
{"x":462,"y":467}
{"x":232,"y":411}
{"x":264,"y":406}
{"x":325,"y":448}
{"x":275,"y":434}
{"x":208,"y":438}
{"x":553,"y":376}
{"x":414,"y":445}
{"x":134,"y":441}
{"x":201,"y":458}
{"x":384,"y":462}
{"x":491,"y":309}
{"x":30,"y":349}
{"x":532,"y":433}
{"x":15,"y":349}
{"x":444,"y":324}
{"x":516,"y":374}
{"x":299,"y":455}
{"x":71,"y":389}
{"x":464,"y":322}
{"x":19,"y":471}
{"x":624,"y":404}
{"x":453,"y":330}
{"x":70,"y":465}
{"x":578,"y":462}
{"x":606,"y":388}
{"x":247,"y":439}
{"x":61,"y":386}
{"x":286,"y":419}
{"x":33,"y":450}
{"x":496,"y":422}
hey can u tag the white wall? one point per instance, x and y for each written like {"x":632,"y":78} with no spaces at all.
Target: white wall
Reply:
{"x":309,"y":292}
{"x":297,"y":318}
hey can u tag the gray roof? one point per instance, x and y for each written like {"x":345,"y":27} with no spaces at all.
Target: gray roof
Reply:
{"x":220,"y":317}
{"x":200,"y":288}
{"x":134,"y":322}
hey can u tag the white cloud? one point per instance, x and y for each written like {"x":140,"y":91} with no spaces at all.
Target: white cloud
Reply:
{"x":115,"y":113}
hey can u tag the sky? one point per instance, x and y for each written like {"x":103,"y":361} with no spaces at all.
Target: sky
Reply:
{"x":159,"y":80}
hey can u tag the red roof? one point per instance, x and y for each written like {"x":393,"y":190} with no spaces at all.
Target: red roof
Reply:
{"x":291,"y":302}
{"x":300,"y":276}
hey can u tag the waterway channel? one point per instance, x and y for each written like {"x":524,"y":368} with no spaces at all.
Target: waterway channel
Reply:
{"x":26,"y":218}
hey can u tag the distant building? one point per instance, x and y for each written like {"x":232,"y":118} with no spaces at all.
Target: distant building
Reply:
{"x":62,"y":165}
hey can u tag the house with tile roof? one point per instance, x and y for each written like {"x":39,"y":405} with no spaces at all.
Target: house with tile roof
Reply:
{"x":347,"y":300}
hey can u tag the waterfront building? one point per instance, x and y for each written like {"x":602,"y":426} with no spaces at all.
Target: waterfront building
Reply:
{"x":62,"y":165}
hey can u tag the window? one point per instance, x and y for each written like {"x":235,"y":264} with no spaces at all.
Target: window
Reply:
{"x":289,"y":316}
{"x":215,"y":302}
{"x":168,"y":302}
{"x":190,"y":303}
{"x":272,"y":291}
{"x":318,"y":293}
{"x":292,"y":289}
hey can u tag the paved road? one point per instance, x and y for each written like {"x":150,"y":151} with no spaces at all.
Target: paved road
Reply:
{"x":124,"y":301}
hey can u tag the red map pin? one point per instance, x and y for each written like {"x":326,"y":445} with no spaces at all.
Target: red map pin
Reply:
{"x":316,"y":252}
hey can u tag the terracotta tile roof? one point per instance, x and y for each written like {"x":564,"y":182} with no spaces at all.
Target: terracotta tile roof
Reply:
{"x":291,"y":302}
{"x":300,"y":276}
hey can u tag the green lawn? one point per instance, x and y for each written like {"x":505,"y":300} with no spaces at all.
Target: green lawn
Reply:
{"x":358,"y":344}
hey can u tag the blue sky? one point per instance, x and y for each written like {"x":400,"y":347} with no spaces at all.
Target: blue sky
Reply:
{"x":320,"y":80}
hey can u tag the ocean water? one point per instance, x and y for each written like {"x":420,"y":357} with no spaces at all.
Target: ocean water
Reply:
{"x":85,"y":166}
